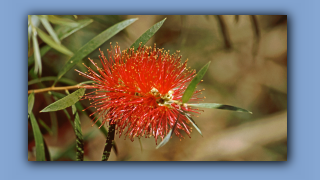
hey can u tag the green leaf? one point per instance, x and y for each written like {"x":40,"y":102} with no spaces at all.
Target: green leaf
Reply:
{"x":65,"y":102}
{"x":65,"y":31}
{"x":144,"y":38}
{"x":30,"y":102}
{"x":62,"y":32}
{"x":62,"y":21}
{"x":52,"y":78}
{"x":43,"y":51}
{"x":47,"y":26}
{"x":168,"y":136}
{"x":40,"y":154}
{"x":219,"y":106}
{"x":193,"y":84}
{"x":79,"y":140}
{"x":37,"y":57}
{"x":193,"y":123}
{"x":47,"y":39}
{"x":94,"y":44}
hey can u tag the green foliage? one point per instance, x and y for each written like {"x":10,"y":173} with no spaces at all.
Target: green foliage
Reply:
{"x":48,"y":27}
{"x":94,"y":44}
{"x":40,"y":154}
{"x":168,"y":136}
{"x":219,"y":106}
{"x":30,"y":102}
{"x":47,"y":39}
{"x":193,"y":84}
{"x":52,"y":78}
{"x":65,"y":102}
{"x":79,"y":138}
{"x":193,"y":123}
{"x":144,"y":38}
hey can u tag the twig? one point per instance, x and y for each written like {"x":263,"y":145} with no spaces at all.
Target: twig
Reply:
{"x":109,"y":143}
{"x":55,"y":89}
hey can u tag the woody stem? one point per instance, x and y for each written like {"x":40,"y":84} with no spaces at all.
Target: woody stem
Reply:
{"x":54,"y":89}
{"x":109,"y":143}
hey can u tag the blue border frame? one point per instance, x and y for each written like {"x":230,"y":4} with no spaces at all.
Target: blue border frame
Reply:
{"x":303,"y":142}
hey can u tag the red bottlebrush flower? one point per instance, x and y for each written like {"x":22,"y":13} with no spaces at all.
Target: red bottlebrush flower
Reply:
{"x":140,"y":91}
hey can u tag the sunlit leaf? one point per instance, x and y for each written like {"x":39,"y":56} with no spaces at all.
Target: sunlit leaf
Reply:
{"x":37,"y":57}
{"x":94,"y":44}
{"x":193,"y":84}
{"x":62,"y":21}
{"x":40,"y":154}
{"x":144,"y":38}
{"x":168,"y":136}
{"x":62,"y":32}
{"x":79,"y":138}
{"x":47,"y":39}
{"x":219,"y":106}
{"x":65,"y":31}
{"x":43,"y":51}
{"x":30,"y":102}
{"x":48,"y":27}
{"x":65,"y":102}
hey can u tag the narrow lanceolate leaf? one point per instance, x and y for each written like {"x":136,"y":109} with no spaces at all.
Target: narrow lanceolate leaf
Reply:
{"x":192,"y":122}
{"x":37,"y":57}
{"x":62,"y":32}
{"x":62,"y":21}
{"x":94,"y":44}
{"x":193,"y":84}
{"x":79,"y":138}
{"x":40,"y":154}
{"x":30,"y":102}
{"x":65,"y":102}
{"x":49,"y":28}
{"x":65,"y":31}
{"x":168,"y":136}
{"x":144,"y":38}
{"x":47,"y":39}
{"x":219,"y":106}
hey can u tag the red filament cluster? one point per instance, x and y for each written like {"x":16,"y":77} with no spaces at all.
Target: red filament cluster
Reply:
{"x":140,"y":91}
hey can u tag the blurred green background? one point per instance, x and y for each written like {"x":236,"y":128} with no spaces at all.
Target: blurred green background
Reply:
{"x":248,"y":69}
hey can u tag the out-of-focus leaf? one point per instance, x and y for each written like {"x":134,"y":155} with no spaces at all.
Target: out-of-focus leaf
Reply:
{"x":62,"y":21}
{"x":144,"y":38}
{"x":65,"y":102}
{"x":62,"y":32}
{"x":94,"y":44}
{"x":168,"y":136}
{"x":37,"y":57}
{"x":65,"y":31}
{"x":48,"y":27}
{"x":79,"y":138}
{"x":40,"y":155}
{"x":30,"y":102}
{"x":219,"y":106}
{"x":47,"y":39}
{"x":75,"y":16}
{"x":43,"y":124}
{"x":52,"y":78}
{"x":193,"y":84}
{"x":43,"y":51}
